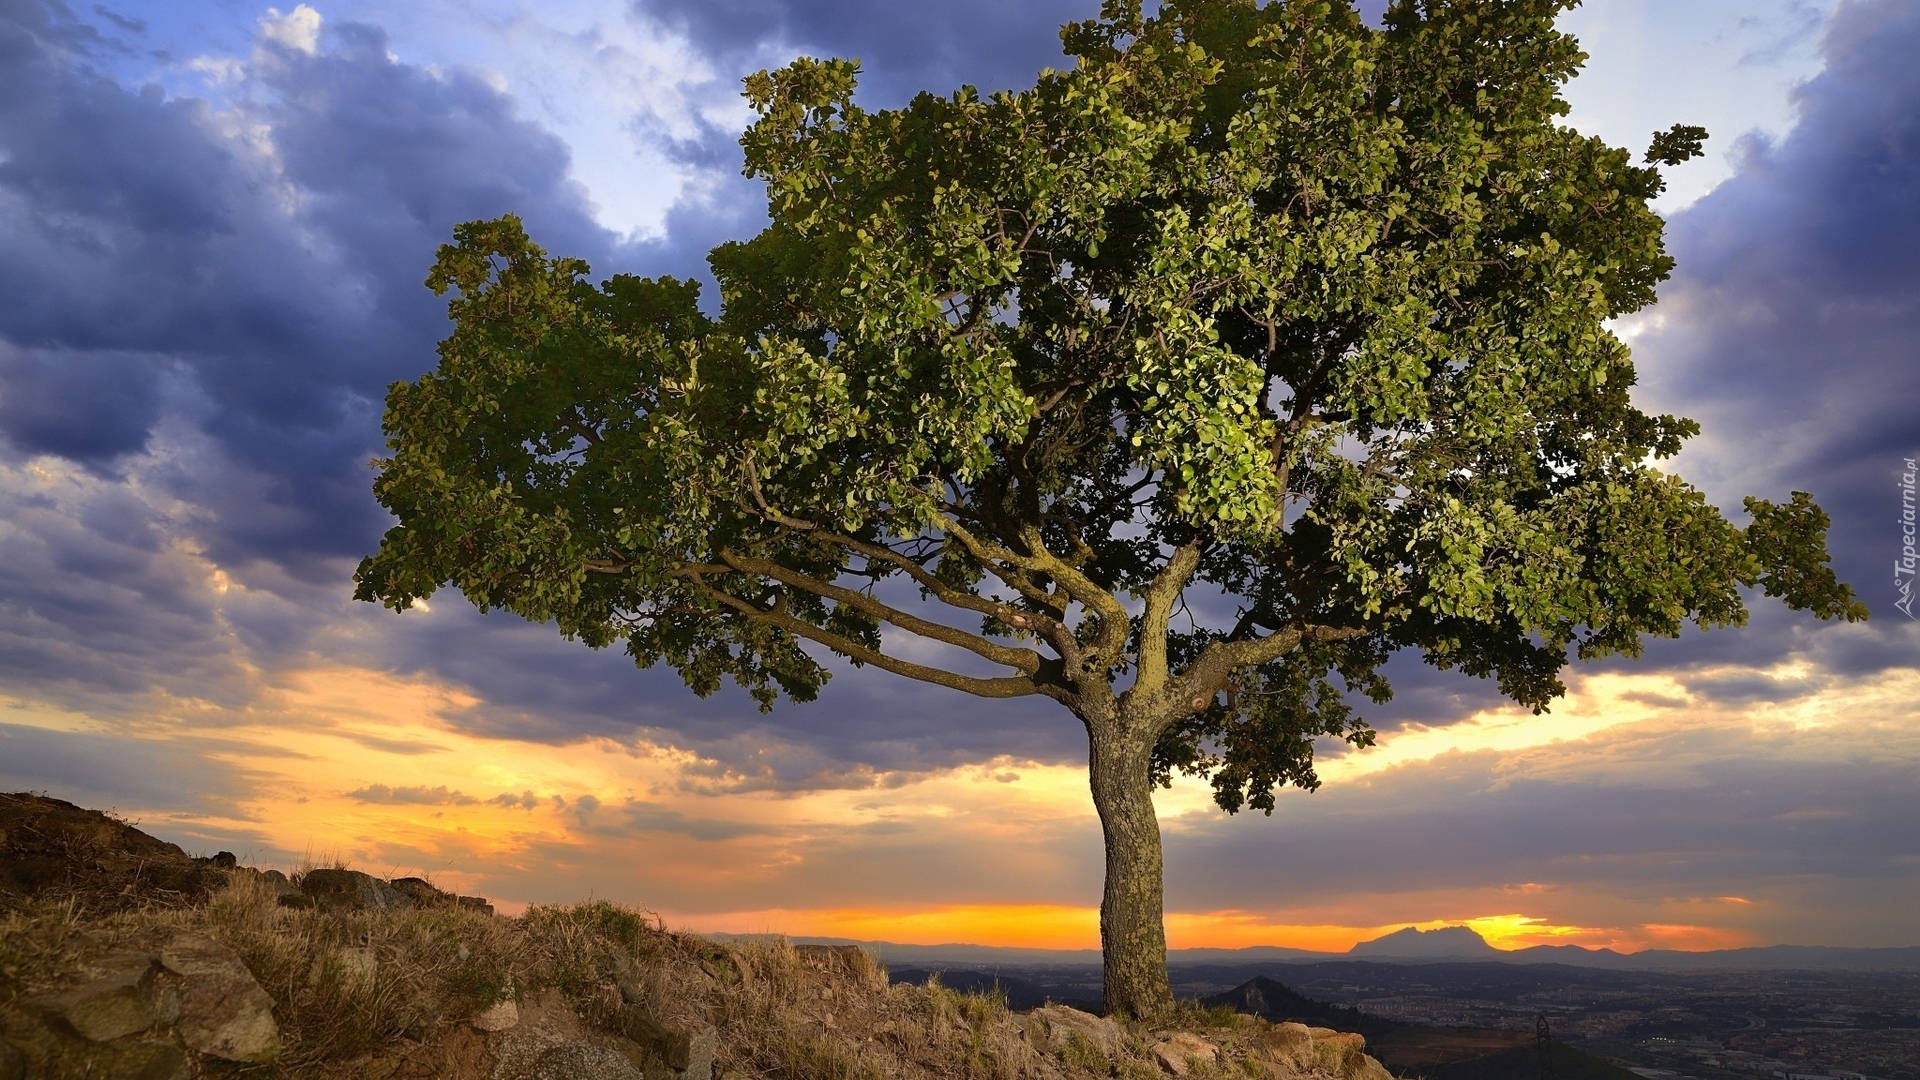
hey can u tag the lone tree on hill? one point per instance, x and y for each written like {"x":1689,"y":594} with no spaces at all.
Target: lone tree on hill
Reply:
{"x":1182,"y":388}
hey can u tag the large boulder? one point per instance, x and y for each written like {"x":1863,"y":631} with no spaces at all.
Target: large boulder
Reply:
{"x":223,"y":1011}
{"x":685,"y":1050}
{"x":116,"y":996}
{"x":424,"y":893}
{"x":351,"y":890}
{"x":1283,"y":1038}
{"x":1183,"y":1052}
{"x":1072,"y":1034}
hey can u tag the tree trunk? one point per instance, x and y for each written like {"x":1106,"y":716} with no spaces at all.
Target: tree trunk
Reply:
{"x":1133,"y":944}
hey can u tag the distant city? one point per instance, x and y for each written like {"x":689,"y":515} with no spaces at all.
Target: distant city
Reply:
{"x":1743,"y":1014}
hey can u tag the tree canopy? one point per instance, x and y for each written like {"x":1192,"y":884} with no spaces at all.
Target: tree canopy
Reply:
{"x":1183,"y":388}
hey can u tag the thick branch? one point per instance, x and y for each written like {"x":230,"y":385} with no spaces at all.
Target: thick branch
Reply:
{"x":778,"y":618}
{"x":1113,"y":617}
{"x":1162,"y":596}
{"x":1025,"y":661}
{"x":1054,"y":632}
{"x":1217,"y":662}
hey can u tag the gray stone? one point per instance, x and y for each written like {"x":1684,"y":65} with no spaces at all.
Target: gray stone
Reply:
{"x":1057,"y":1027}
{"x":1181,"y":1052}
{"x":687,"y":1049}
{"x":583,"y":1061}
{"x":116,"y":999}
{"x":223,"y":1011}
{"x":351,"y":890}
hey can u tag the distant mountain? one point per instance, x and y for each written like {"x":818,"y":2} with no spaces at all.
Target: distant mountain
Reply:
{"x":1411,"y":946}
{"x":1448,"y":942}
{"x":1764,"y":958}
{"x":1274,"y":1001}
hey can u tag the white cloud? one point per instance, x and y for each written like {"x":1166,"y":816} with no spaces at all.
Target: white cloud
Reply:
{"x":298,"y":29}
{"x":1729,"y":65}
{"x":617,"y":87}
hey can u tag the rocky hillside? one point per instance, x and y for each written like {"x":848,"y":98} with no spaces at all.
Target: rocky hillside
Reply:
{"x":122,"y":956}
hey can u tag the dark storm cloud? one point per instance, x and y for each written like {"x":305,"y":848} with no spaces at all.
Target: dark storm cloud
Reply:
{"x":903,"y":47}
{"x":89,"y":407}
{"x":282,"y":278}
{"x":212,"y":302}
{"x":1790,"y":327}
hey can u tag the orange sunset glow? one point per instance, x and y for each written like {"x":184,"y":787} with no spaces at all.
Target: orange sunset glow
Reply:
{"x":376,"y":771}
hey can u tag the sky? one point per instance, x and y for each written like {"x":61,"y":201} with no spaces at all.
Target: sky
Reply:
{"x":216,"y":218}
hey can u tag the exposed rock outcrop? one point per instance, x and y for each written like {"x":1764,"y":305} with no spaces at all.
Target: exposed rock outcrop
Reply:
{"x":1183,"y":1052}
{"x":1073,"y":1034}
{"x":222,"y":1011}
{"x":337,"y":972}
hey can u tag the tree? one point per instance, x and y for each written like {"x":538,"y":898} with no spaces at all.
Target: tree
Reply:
{"x":1183,"y":388}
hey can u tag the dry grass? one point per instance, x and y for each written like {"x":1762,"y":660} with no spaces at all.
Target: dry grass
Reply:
{"x":390,"y":993}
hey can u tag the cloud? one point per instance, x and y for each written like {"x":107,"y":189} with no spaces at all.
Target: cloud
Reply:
{"x":903,"y":47}
{"x":418,"y":795}
{"x":298,"y":29}
{"x":1788,"y":328}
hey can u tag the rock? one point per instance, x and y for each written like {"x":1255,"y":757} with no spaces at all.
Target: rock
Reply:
{"x":351,"y":890}
{"x":1341,"y":1049}
{"x":687,"y":1049}
{"x":583,"y":1061}
{"x":48,"y":846}
{"x":420,"y":891}
{"x":224,"y":860}
{"x":1180,"y":1052}
{"x":13,"y":1065}
{"x":499,"y":1016}
{"x":118,"y":998}
{"x":274,"y":882}
{"x":223,"y":1011}
{"x":1282,"y":1040}
{"x":1058,"y":1028}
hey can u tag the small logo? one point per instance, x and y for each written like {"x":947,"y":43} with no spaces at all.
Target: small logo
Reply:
{"x":1903,"y":567}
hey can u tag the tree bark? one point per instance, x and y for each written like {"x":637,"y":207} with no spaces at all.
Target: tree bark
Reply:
{"x":1133,"y":943}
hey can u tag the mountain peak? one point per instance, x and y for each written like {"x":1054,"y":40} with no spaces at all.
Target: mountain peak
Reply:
{"x":1450,"y":941}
